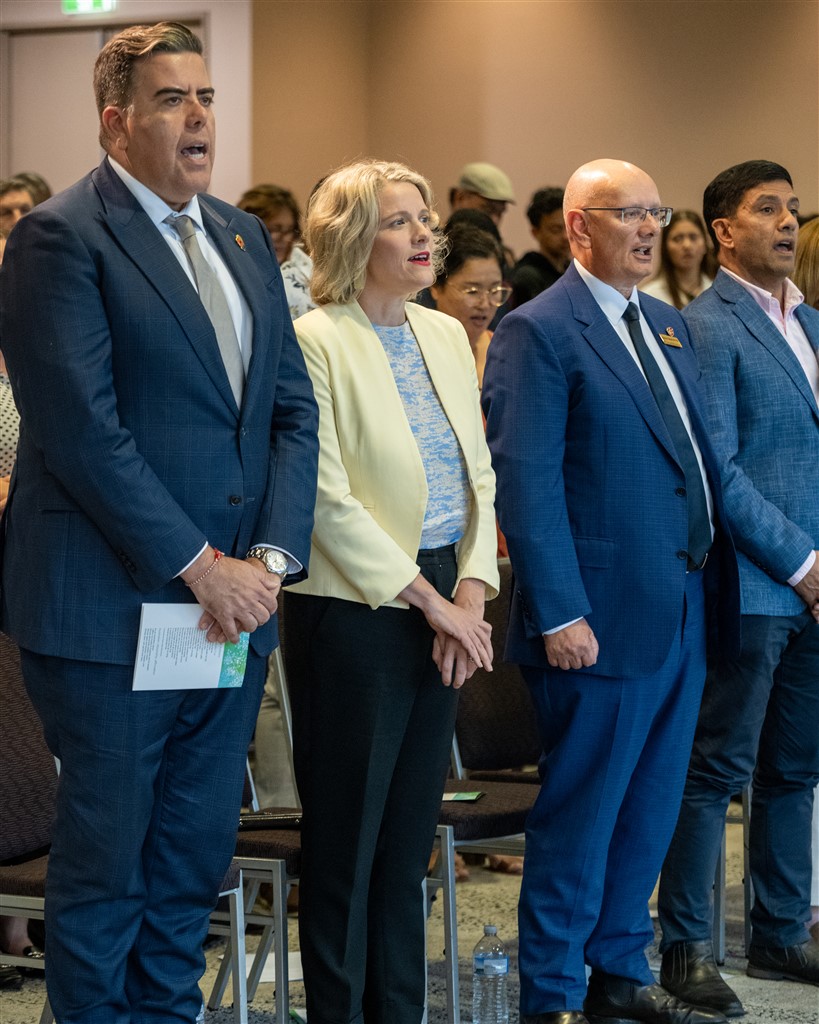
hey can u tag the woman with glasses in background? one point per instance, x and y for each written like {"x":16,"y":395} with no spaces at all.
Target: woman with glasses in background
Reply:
{"x":470,"y":287}
{"x":278,"y":209}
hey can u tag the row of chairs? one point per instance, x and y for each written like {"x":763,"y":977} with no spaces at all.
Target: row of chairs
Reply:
{"x":496,"y":732}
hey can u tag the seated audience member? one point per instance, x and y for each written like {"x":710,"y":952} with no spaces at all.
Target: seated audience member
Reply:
{"x":539,"y":269}
{"x":278,"y":209}
{"x":381,"y":637}
{"x":806,"y":279}
{"x":687,"y":265}
{"x":16,"y":200}
{"x":38,"y":188}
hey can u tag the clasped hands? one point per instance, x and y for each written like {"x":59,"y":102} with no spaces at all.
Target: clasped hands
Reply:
{"x":463,"y":639}
{"x":238,"y":596}
{"x":808,"y":588}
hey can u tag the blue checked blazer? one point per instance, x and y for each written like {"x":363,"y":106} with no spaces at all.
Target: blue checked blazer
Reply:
{"x":588,"y":486}
{"x":764,"y":424}
{"x":132,"y":450}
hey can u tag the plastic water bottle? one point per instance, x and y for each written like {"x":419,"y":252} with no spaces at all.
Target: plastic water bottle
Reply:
{"x":490,"y":970}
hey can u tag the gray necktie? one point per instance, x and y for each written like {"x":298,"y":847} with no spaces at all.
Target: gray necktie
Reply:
{"x":215,"y":303}
{"x":699,"y":525}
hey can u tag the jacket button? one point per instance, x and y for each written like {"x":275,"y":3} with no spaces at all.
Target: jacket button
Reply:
{"x":680,"y":492}
{"x":235,"y":499}
{"x":682,"y":555}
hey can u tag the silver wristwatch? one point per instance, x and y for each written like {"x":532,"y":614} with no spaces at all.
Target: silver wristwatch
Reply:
{"x":273,"y":560}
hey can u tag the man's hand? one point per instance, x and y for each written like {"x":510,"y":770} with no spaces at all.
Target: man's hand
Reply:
{"x":573,"y":647}
{"x":237,"y":596}
{"x":808,"y":588}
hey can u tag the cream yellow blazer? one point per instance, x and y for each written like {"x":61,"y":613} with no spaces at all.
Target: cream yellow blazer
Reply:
{"x":372,"y":490}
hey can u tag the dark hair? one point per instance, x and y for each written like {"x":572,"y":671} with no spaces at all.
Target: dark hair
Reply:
{"x":265,"y":200}
{"x":476,"y":219}
{"x":464,"y":243}
{"x":667,"y":268}
{"x":16,"y":184}
{"x":542,"y":203}
{"x":115,"y":64}
{"x":724,"y":194}
{"x":38,"y":187}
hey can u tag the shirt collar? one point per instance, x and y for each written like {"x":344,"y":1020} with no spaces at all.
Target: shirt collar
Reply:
{"x":765,"y":299}
{"x":157,"y":209}
{"x":611,"y":302}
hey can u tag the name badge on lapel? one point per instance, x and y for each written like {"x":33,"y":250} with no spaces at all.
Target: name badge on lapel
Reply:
{"x":669,"y":338}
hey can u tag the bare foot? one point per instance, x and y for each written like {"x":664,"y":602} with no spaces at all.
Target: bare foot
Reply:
{"x":505,"y":865}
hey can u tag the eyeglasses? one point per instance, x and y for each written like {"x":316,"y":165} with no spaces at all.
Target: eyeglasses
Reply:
{"x":276,"y":231}
{"x":496,"y":296}
{"x":631,"y":215}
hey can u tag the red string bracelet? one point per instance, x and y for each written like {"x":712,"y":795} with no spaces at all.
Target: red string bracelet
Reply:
{"x":217,"y":554}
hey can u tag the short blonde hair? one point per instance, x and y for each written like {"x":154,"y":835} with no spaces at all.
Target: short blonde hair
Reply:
{"x":806,"y":270}
{"x":343,"y":218}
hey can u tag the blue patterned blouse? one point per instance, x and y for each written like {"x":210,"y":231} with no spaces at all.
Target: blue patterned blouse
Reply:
{"x":449,"y":502}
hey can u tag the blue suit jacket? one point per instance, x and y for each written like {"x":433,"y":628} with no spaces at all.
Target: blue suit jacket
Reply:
{"x":132,"y":450}
{"x":588,"y":483}
{"x":764,"y":424}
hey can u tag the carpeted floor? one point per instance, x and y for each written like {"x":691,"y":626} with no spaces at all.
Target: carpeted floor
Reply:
{"x":490,"y":898}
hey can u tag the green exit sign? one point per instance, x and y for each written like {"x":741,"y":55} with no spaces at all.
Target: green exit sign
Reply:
{"x":88,"y":6}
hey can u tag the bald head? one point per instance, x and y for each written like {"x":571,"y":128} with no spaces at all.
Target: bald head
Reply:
{"x":617,"y":253}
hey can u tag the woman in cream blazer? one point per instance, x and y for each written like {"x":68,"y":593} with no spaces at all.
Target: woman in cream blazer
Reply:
{"x":390,"y":622}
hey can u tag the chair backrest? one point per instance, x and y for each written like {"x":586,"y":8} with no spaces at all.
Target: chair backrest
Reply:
{"x":28,"y":774}
{"x":496,"y":726}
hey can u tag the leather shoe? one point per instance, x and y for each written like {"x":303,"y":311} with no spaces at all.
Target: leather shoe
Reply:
{"x":10,"y":978}
{"x":555,"y":1017}
{"x":613,"y":1000}
{"x":690,"y":972}
{"x":35,"y":955}
{"x":794,"y":963}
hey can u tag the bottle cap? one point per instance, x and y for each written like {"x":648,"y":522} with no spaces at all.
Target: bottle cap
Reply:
{"x":490,"y":929}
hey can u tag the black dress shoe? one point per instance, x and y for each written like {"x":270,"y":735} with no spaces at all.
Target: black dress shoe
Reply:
{"x":690,"y":972}
{"x":793,"y":963}
{"x":10,"y":978}
{"x":555,"y":1017}
{"x":35,"y":955}
{"x":612,"y":1000}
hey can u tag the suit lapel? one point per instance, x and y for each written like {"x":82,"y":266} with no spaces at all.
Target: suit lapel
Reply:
{"x":760,"y":326}
{"x":233,"y":248}
{"x":152,"y":257}
{"x":610,"y":348}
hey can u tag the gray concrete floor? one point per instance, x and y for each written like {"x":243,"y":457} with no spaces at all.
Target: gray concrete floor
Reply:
{"x":491,"y":898}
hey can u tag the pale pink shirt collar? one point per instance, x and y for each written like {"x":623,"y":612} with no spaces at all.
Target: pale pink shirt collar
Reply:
{"x":770,"y":305}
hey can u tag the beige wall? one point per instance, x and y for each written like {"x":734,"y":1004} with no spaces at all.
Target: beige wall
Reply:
{"x":684,"y":89}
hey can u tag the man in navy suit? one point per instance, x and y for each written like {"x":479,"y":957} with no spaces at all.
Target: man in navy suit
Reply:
{"x":758,"y":346}
{"x":148,"y":447}
{"x":608,"y":494}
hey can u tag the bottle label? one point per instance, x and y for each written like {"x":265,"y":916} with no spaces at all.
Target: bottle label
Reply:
{"x":490,"y":965}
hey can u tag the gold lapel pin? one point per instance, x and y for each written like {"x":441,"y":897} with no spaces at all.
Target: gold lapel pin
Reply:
{"x":669,"y":338}
{"x":239,"y":241}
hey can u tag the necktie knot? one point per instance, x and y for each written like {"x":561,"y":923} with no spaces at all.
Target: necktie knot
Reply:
{"x":183,"y":225}
{"x":632,"y":313}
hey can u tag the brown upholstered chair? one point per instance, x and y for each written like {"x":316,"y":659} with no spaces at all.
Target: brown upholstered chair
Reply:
{"x":28,"y":790}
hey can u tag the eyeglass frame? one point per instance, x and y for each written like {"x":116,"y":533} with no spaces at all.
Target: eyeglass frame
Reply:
{"x":655,"y":211}
{"x":471,"y":292}
{"x":277,"y":232}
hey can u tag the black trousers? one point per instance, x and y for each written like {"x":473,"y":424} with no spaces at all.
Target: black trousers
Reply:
{"x":372,"y":726}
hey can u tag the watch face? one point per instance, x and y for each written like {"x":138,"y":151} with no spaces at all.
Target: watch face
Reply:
{"x":275,"y":561}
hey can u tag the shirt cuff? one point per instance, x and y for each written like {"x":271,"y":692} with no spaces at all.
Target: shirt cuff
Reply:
{"x":293,"y":564}
{"x":557,"y":629}
{"x":190,"y":563}
{"x":803,"y":570}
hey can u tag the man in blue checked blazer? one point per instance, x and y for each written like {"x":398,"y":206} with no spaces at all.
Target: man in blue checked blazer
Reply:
{"x":609,"y":497}
{"x":158,"y":431}
{"x":758,"y":348}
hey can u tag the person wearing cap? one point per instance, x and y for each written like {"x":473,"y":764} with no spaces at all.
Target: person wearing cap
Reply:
{"x":482,"y":187}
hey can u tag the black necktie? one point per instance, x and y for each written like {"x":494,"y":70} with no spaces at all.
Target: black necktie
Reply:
{"x":699,"y":525}
{"x":213,"y":299}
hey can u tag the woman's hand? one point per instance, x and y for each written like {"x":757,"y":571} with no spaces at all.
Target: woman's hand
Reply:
{"x":463,"y":640}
